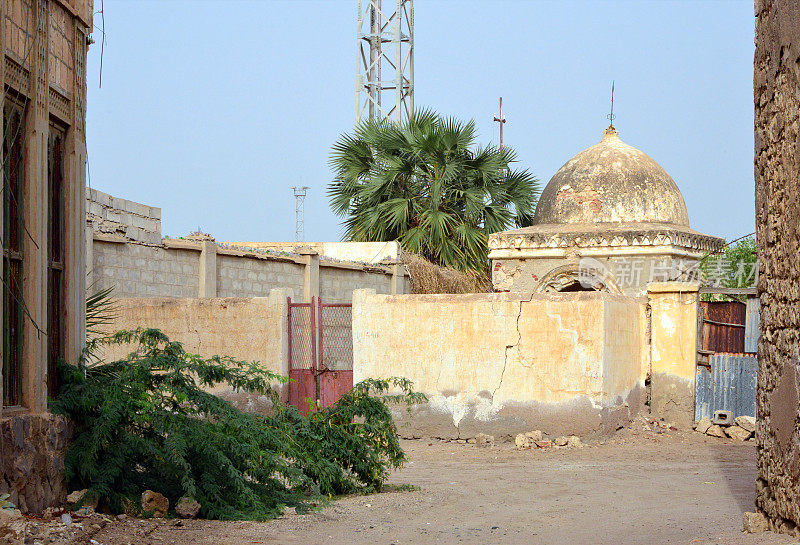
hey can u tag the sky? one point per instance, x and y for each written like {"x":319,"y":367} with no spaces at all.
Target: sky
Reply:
{"x":212,"y":110}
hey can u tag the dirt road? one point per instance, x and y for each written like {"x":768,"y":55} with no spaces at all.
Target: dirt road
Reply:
{"x":634,"y":489}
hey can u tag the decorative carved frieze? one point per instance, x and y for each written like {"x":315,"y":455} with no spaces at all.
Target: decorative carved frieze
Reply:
{"x":16,"y":76}
{"x":59,"y":105}
{"x":661,"y":237}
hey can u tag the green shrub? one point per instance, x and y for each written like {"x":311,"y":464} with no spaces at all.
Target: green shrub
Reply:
{"x":146,"y":422}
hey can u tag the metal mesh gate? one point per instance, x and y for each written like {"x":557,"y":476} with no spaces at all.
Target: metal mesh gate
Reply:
{"x":320,"y":353}
{"x":302,"y":335}
{"x":337,"y":337}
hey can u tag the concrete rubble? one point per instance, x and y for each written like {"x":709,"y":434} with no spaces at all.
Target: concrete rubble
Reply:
{"x":741,"y":428}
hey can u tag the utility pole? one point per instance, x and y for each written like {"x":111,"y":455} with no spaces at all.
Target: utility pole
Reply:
{"x":385,"y":59}
{"x":502,"y":121}
{"x":299,"y":213}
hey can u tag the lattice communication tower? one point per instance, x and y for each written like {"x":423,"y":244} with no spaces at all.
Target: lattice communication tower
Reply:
{"x":385,"y":34}
{"x":299,"y":213}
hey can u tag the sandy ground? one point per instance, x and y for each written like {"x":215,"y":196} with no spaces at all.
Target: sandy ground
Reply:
{"x":637,"y":488}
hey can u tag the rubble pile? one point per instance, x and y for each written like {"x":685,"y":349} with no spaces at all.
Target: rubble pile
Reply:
{"x":536,"y":440}
{"x":54,"y":527}
{"x":723,"y":425}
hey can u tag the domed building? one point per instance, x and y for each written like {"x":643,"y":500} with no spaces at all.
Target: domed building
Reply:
{"x":610,"y":219}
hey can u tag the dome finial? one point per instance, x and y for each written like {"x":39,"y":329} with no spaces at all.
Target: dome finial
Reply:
{"x":610,"y":116}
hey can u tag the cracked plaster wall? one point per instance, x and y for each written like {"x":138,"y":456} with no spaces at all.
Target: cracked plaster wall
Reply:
{"x":505,"y":363}
{"x":777,"y":175}
{"x":673,"y":350}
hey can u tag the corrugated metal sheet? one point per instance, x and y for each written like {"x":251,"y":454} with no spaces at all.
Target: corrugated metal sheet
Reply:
{"x":723,"y":326}
{"x":752,"y":324}
{"x":730,"y":385}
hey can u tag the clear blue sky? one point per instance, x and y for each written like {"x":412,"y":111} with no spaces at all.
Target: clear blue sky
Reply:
{"x":212,"y":109}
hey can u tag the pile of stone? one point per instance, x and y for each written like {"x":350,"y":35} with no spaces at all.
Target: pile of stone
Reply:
{"x":55,"y":526}
{"x":79,"y":521}
{"x":723,"y":424}
{"x":536,"y":440}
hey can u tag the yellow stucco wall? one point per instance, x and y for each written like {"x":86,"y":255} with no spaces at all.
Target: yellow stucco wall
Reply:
{"x":250,"y":329}
{"x":504,"y":362}
{"x":673,"y":349}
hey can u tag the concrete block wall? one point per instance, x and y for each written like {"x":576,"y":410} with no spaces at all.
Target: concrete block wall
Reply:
{"x":125,"y":250}
{"x":138,"y":270}
{"x":359,"y":252}
{"x":337,"y":284}
{"x":243,"y":277}
{"x":129,"y":219}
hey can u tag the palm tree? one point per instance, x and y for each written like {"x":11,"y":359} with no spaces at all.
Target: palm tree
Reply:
{"x":425,"y":183}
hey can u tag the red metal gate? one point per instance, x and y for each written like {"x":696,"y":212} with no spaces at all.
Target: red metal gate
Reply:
{"x":320,"y":353}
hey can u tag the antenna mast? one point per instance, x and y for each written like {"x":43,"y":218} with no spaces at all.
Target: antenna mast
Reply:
{"x":385,"y":61}
{"x":299,"y":213}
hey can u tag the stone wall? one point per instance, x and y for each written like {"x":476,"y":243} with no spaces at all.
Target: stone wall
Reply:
{"x":32,"y":450}
{"x":504,"y":363}
{"x":777,"y":175}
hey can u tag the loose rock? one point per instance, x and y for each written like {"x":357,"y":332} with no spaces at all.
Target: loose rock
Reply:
{"x":534,"y":436}
{"x":544,"y":443}
{"x":187,"y":508}
{"x":155,"y":503}
{"x":561,"y":441}
{"x":483,"y":441}
{"x":521,"y":441}
{"x":574,"y":442}
{"x":746,"y":422}
{"x":737,"y":433}
{"x":754,"y":523}
{"x":703,"y":425}
{"x":715,"y":431}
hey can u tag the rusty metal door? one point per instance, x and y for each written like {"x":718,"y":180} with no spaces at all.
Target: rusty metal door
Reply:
{"x":320,"y":353}
{"x":723,"y":326}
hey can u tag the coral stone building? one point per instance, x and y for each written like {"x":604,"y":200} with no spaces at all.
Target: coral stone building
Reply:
{"x":610,"y":219}
{"x":43,"y":215}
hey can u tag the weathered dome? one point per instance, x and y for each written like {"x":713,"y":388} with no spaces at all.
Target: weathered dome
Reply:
{"x":611,"y":182}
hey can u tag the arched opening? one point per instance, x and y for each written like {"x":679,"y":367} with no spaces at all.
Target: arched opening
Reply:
{"x":578,"y":277}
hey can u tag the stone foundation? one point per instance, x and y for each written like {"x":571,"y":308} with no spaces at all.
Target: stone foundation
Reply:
{"x":32,"y":462}
{"x":777,"y":176}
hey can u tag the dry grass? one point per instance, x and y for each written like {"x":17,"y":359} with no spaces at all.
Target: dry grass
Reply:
{"x":427,"y":277}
